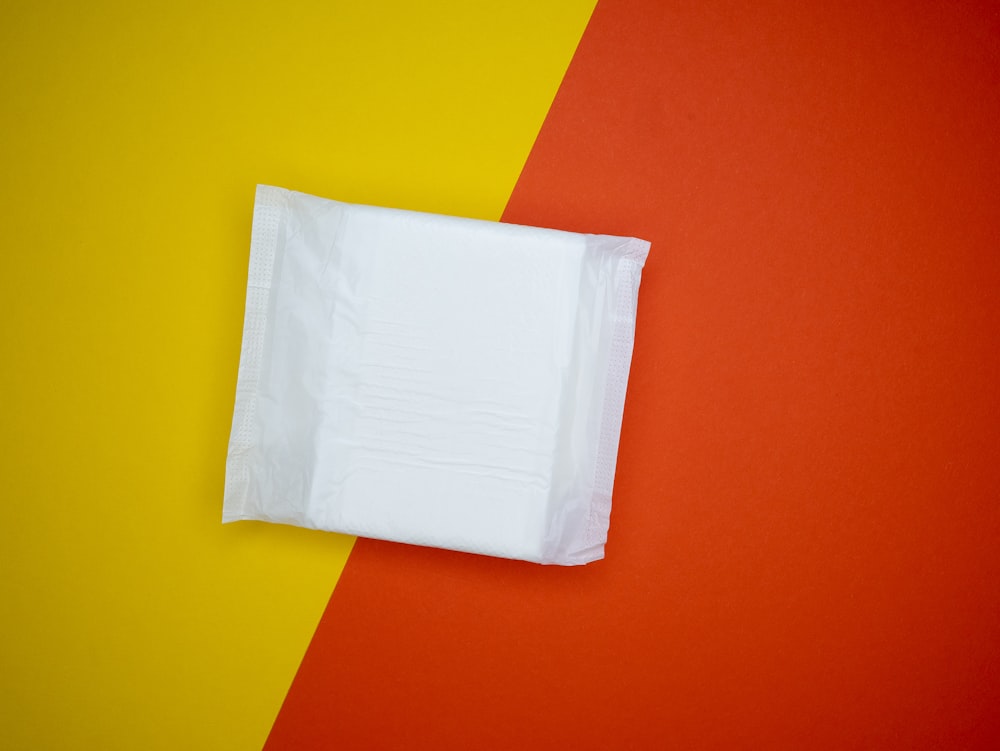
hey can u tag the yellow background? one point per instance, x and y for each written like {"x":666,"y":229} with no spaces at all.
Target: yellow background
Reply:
{"x":131,"y":138}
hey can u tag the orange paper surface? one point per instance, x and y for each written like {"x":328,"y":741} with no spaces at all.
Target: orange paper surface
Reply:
{"x":804,"y":539}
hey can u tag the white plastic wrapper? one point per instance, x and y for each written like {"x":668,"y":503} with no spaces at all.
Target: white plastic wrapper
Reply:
{"x":432,"y":380}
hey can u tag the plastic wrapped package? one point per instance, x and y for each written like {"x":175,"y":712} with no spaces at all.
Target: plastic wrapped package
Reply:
{"x":432,"y":380}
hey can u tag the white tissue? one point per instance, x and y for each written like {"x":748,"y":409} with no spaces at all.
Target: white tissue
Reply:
{"x":432,"y":380}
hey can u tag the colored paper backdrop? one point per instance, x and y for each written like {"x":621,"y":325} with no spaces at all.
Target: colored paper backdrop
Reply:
{"x":804,"y":544}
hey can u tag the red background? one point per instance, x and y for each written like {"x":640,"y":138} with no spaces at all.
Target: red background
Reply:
{"x":804,"y":541}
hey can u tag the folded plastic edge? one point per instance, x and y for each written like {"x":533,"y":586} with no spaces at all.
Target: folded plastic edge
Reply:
{"x":632,"y":254}
{"x":269,"y":203}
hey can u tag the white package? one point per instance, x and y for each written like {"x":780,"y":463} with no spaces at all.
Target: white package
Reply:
{"x":432,"y":380}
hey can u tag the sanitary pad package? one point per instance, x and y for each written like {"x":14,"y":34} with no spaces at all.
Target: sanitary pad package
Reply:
{"x":432,"y":380}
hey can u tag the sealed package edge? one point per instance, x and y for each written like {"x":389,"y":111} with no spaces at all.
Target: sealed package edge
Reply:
{"x":432,"y":380}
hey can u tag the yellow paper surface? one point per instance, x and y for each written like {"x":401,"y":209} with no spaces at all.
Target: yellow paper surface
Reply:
{"x":132,"y":135}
